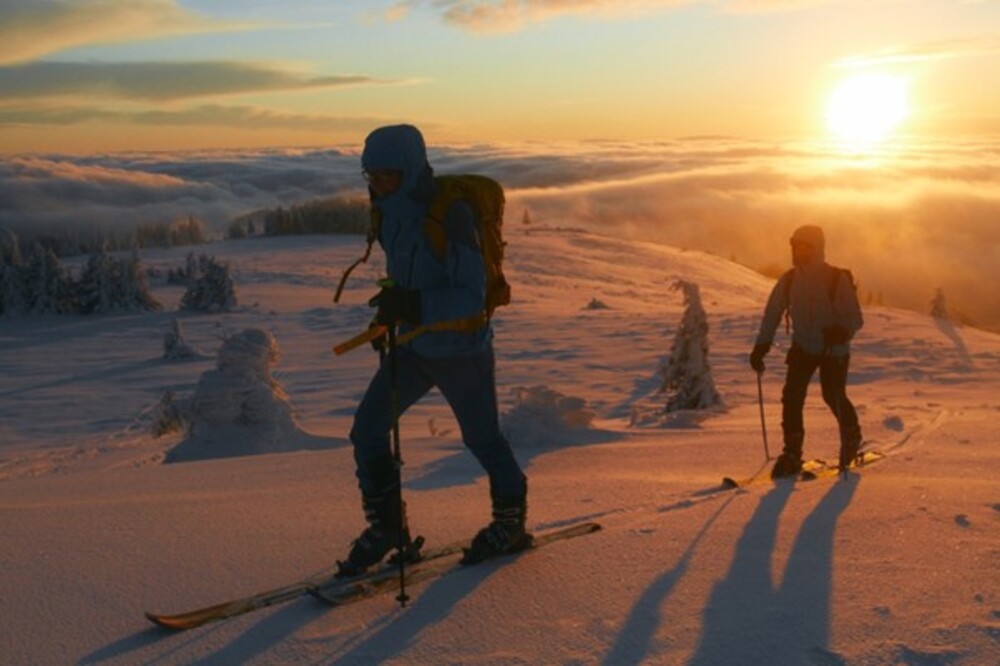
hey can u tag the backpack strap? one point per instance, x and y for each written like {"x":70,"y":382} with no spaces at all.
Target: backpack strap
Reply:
{"x":790,"y":273}
{"x":447,"y":191}
{"x":374,"y":229}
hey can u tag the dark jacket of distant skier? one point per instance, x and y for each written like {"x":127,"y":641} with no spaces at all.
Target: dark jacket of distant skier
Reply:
{"x":823,"y":307}
{"x":459,"y":363}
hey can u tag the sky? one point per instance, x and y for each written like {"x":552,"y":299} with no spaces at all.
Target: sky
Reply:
{"x":96,"y":76}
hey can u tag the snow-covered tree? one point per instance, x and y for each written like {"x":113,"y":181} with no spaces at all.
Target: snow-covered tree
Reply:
{"x":687,"y":377}
{"x":213,"y":290}
{"x":12,"y":297}
{"x":13,"y":301}
{"x":238,"y":408}
{"x":48,"y":284}
{"x":175,"y":347}
{"x":96,"y":288}
{"x":135,"y":292}
{"x":109,"y":285}
{"x":186,"y":275}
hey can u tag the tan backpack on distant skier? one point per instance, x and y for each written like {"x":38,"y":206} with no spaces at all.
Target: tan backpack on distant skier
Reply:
{"x":831,"y":289}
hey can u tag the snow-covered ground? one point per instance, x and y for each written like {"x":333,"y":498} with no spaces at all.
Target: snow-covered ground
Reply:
{"x":899,"y":565}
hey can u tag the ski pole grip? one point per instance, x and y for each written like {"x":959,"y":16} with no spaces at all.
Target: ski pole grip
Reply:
{"x":362,"y":338}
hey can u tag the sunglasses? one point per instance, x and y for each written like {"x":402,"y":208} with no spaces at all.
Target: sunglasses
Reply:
{"x":381,"y":175}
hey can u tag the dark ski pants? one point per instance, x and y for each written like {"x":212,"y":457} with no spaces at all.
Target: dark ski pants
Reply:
{"x":833,"y":380}
{"x":468,"y":384}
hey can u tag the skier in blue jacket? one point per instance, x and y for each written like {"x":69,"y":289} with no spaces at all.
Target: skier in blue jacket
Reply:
{"x":424,"y":290}
{"x":825,"y":314}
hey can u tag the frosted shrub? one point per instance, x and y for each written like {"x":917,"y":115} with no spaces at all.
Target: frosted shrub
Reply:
{"x":237,"y":408}
{"x":213,"y":290}
{"x":687,"y":376}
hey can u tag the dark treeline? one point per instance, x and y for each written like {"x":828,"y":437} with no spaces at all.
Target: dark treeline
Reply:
{"x":70,"y":241}
{"x":337,"y":215}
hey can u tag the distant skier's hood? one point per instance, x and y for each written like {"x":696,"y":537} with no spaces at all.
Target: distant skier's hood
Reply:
{"x":812,"y":236}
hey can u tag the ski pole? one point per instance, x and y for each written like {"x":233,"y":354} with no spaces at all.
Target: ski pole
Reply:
{"x":763,"y":425}
{"x":402,"y":598}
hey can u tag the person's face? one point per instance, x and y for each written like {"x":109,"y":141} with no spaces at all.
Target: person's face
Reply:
{"x":383,"y":182}
{"x":802,"y":253}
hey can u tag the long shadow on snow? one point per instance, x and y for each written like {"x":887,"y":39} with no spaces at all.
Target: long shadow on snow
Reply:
{"x":637,"y":634}
{"x":462,"y":468}
{"x":952,"y":334}
{"x":97,"y":375}
{"x":142,"y":641}
{"x":431,"y":606}
{"x":748,"y":620}
{"x":265,"y":634}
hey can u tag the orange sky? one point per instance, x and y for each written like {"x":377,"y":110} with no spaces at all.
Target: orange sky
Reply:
{"x":92,"y":76}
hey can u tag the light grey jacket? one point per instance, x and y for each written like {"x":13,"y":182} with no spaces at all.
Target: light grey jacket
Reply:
{"x":805,"y":292}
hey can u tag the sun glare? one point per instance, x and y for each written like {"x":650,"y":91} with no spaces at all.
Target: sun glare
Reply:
{"x":864,"y":109}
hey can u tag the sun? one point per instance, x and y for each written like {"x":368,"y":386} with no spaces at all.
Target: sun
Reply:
{"x":864,"y":109}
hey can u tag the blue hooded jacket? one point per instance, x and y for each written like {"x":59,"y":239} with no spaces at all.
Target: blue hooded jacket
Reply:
{"x":452,"y":288}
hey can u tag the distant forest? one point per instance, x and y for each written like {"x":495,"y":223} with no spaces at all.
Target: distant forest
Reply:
{"x":336,"y":215}
{"x":33,"y":280}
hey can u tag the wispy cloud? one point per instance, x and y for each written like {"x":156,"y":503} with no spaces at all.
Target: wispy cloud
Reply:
{"x":937,"y":50}
{"x":206,"y":115}
{"x":772,"y":6}
{"x":509,"y":15}
{"x":34,"y":28}
{"x":160,"y":81}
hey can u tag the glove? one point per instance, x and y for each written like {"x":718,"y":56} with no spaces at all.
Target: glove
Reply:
{"x":757,"y":357}
{"x":396,"y":303}
{"x":835,"y":335}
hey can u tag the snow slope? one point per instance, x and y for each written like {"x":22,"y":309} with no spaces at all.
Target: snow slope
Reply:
{"x":897,"y":566}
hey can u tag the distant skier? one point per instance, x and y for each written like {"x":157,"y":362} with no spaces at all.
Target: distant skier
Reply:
{"x":825,"y":314}
{"x":427,"y":289}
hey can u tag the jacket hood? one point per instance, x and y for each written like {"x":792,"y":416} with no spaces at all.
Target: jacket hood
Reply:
{"x":401,"y":148}
{"x":812,"y":235}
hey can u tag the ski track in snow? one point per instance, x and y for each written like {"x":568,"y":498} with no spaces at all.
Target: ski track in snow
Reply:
{"x":895,"y":566}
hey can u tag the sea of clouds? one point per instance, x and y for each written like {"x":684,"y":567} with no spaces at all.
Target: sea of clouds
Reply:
{"x":918,"y":217}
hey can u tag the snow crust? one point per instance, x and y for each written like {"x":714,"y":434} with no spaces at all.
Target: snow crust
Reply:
{"x":898,"y":565}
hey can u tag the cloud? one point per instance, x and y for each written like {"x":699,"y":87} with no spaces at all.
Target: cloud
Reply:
{"x":35,"y":28}
{"x":42,"y":192}
{"x":773,"y":6}
{"x":921,"y":219}
{"x":509,"y":15}
{"x":160,"y":81}
{"x":210,"y":115}
{"x":937,"y":50}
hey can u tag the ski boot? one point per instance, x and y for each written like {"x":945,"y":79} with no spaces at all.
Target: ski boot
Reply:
{"x":505,"y":534}
{"x":789,"y":463}
{"x":850,"y":449}
{"x":386,"y":516}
